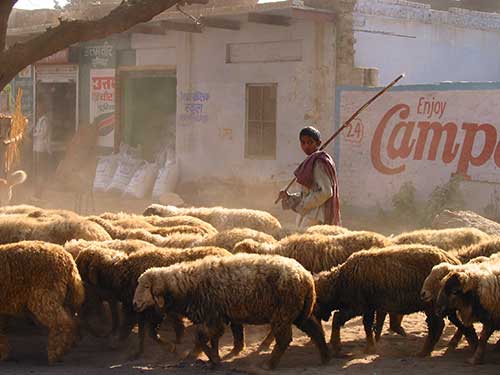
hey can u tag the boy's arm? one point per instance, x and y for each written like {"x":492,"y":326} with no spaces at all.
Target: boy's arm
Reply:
{"x":315,"y":199}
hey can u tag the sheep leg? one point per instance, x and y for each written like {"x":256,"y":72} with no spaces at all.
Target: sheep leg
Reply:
{"x":141,"y":323}
{"x":266,"y":343}
{"x":368,"y":319}
{"x":339,"y":319}
{"x":312,"y":327}
{"x":435,"y":326}
{"x":379,"y":323}
{"x":238,"y":340}
{"x":395,"y":324}
{"x":462,"y":329}
{"x":62,"y":328}
{"x":283,"y":335}
{"x":178,"y":325}
{"x":4,"y":343}
{"x":478,"y":356}
{"x":212,"y":334}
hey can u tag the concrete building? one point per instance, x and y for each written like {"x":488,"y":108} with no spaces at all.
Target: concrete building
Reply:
{"x":429,"y":45}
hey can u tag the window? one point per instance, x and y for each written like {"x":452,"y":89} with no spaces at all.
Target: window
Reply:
{"x":260,"y":135}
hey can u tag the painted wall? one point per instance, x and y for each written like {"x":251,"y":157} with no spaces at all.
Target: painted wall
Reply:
{"x":211,"y":96}
{"x":431,"y":46}
{"x":423,"y":134}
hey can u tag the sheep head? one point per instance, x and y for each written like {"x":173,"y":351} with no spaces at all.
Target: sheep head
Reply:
{"x":326,"y":299}
{"x":432,"y":283}
{"x":150,"y":292}
{"x":454,"y":294}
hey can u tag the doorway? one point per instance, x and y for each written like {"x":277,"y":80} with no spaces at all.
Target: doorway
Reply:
{"x":147,"y":112}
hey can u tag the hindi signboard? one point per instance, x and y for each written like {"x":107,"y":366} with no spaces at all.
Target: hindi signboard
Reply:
{"x":102,"y":104}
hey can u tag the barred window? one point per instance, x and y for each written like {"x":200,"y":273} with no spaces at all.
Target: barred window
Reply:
{"x":260,"y":135}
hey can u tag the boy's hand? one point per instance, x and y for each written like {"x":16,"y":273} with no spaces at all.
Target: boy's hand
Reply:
{"x":283,"y":195}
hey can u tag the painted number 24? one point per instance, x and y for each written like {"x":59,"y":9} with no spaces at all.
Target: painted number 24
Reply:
{"x":354,"y":132}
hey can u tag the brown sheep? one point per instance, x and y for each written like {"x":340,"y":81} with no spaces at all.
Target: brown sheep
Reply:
{"x":388,"y":280}
{"x":112,"y":276}
{"x":127,"y":272}
{"x":15,"y":228}
{"x":222,"y":218}
{"x":474,"y":292}
{"x":446,"y":239}
{"x":129,"y":221}
{"x":245,"y":288}
{"x":327,"y":230}
{"x":74,"y":247}
{"x":43,"y":279}
{"x":229,"y":238}
{"x":176,"y":240}
{"x":429,"y":294}
{"x":316,"y":252}
{"x":485,"y":248}
{"x":119,"y":233}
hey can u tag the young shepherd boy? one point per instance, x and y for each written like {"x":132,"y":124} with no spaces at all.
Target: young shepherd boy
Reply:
{"x":318,"y":202}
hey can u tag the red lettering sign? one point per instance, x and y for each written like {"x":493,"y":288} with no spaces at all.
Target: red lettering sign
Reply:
{"x":403,"y":144}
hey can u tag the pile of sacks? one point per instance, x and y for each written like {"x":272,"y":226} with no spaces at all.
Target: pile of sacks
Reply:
{"x":127,"y":174}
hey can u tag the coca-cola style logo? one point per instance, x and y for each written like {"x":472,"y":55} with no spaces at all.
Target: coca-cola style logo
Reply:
{"x":407,"y":139}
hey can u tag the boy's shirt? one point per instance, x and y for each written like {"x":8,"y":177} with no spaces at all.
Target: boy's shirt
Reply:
{"x":310,"y":202}
{"x":318,"y":201}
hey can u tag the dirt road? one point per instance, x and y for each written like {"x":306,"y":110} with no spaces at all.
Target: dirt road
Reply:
{"x":92,"y":356}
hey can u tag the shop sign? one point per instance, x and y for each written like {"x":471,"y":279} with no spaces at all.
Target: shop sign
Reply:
{"x":102,"y":104}
{"x":61,"y":57}
{"x":99,"y":56}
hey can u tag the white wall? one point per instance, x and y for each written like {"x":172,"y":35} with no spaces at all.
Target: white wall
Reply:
{"x":305,"y":90}
{"x":430,"y":46}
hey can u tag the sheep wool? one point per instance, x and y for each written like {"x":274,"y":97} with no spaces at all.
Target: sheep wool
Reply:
{"x":245,"y":288}
{"x":43,"y":279}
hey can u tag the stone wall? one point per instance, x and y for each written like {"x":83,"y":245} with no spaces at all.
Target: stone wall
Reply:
{"x":347,"y":72}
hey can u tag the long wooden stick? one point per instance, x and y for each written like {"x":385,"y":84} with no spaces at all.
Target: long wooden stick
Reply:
{"x":348,"y":122}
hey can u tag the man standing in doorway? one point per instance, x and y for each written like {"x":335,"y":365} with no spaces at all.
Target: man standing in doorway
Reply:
{"x":41,"y":148}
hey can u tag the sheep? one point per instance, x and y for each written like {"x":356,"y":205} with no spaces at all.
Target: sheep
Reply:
{"x":38,"y":213}
{"x":229,"y":238}
{"x":112,"y":276}
{"x":389,"y":279}
{"x":485,"y":248}
{"x":14,"y":228}
{"x":316,"y":252}
{"x":176,"y":240}
{"x":446,"y":239}
{"x":96,"y":266}
{"x":327,"y":230}
{"x":117,"y":232}
{"x":74,"y":247}
{"x":429,"y":294}
{"x":222,"y":218}
{"x":129,"y":221}
{"x":41,"y":278}
{"x":474,"y":292}
{"x":245,"y":288}
{"x":22,"y":209}
{"x":127,"y":272}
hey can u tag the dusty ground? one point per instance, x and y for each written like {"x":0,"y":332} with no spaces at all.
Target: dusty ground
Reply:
{"x":395,"y":355}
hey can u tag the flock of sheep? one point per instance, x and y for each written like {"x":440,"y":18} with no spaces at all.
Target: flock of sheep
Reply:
{"x":222,"y":267}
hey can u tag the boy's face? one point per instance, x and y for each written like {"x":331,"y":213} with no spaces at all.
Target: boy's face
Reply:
{"x":309,"y":145}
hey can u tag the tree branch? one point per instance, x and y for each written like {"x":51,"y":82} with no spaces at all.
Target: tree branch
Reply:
{"x":69,"y":32}
{"x":6,"y":7}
